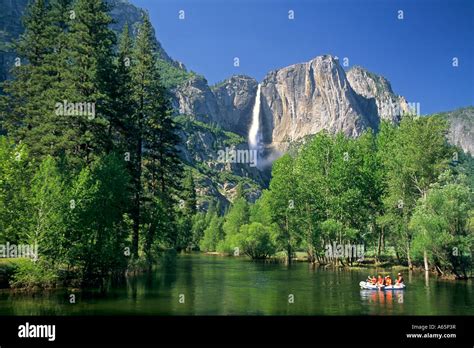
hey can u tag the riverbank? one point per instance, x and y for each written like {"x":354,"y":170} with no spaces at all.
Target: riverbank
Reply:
{"x":38,"y":282}
{"x":369,"y":263}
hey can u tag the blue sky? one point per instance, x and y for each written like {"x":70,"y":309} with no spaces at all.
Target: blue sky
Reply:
{"x":415,"y":54}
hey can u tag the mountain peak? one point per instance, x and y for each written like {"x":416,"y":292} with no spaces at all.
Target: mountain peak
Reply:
{"x":372,"y":86}
{"x":381,"y":82}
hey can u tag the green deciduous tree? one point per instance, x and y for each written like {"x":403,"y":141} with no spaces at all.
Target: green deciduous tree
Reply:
{"x":48,"y":205}
{"x":283,"y":188}
{"x":95,"y":238}
{"x":413,"y":154}
{"x":15,"y":176}
{"x":443,"y":227}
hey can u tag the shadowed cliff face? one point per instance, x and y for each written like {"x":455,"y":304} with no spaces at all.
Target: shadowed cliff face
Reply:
{"x":461,"y":128}
{"x":372,"y":86}
{"x":195,"y":98}
{"x":235,"y":98}
{"x":10,"y":29}
{"x":228,"y":103}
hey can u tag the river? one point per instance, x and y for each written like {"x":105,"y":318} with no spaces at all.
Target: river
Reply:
{"x":214,"y":285}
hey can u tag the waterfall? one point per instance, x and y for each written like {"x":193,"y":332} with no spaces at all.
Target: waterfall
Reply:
{"x":254,"y":132}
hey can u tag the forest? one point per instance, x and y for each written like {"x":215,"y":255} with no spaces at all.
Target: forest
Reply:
{"x":95,"y":191}
{"x":404,"y":193}
{"x":102,"y":193}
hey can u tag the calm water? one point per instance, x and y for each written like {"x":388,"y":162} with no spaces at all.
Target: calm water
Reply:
{"x":214,"y":285}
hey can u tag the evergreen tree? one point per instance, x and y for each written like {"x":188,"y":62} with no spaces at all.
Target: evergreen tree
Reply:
{"x":142,"y":94}
{"x":189,"y":194}
{"x":121,"y":127}
{"x":187,"y":210}
{"x":199,"y":224}
{"x":88,"y":79}
{"x":155,"y":139}
{"x":23,"y":106}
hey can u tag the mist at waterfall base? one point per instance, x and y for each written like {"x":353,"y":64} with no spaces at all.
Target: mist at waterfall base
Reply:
{"x":255,"y":136}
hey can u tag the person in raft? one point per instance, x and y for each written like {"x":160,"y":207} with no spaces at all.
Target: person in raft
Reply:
{"x":373,"y":280}
{"x":380,"y":281}
{"x":388,"y":280}
{"x":399,"y":279}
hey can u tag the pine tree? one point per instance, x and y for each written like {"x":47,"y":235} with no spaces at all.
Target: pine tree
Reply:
{"x":189,"y":194}
{"x":67,"y":56}
{"x":88,"y":78}
{"x":142,"y":93}
{"x":54,"y":136}
{"x":155,"y":139}
{"x":24,"y":104}
{"x":121,"y":127}
{"x":186,"y":212}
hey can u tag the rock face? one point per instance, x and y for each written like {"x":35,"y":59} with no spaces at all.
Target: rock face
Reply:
{"x":306,"y":98}
{"x":195,"y":98}
{"x":235,"y":98}
{"x":228,"y":104}
{"x":123,"y":12}
{"x":201,"y":147}
{"x":297,"y":101}
{"x":461,"y":128}
{"x":389,"y":105}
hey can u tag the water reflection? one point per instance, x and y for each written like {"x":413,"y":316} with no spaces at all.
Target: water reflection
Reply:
{"x":400,"y":296}
{"x":381,"y":297}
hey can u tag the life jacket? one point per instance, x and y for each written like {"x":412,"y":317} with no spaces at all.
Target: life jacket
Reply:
{"x":399,"y":280}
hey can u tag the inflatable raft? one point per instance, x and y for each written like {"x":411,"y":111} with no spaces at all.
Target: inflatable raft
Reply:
{"x":370,"y":286}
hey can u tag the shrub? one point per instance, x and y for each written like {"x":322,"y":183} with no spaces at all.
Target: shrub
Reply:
{"x":30,"y":274}
{"x":257,"y":240}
